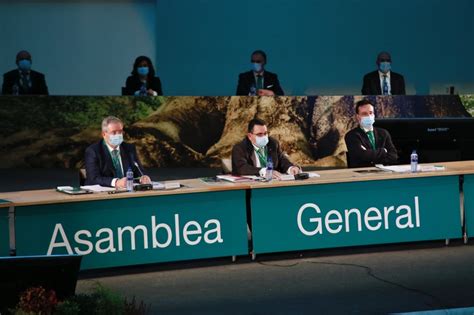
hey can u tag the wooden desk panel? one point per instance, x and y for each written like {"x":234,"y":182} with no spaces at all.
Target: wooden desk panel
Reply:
{"x":50,"y":196}
{"x":47,"y":196}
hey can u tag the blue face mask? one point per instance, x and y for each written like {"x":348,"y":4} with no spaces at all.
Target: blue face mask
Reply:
{"x":116,"y":140}
{"x":367,"y":122}
{"x":143,"y":71}
{"x":257,"y":67}
{"x":24,"y":64}
{"x":385,"y":66}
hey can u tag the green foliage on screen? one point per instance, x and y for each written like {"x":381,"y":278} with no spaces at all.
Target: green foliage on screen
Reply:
{"x":20,"y":113}
{"x":468,"y":102}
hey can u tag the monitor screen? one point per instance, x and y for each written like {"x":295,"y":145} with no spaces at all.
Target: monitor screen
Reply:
{"x":435,"y":139}
{"x":18,"y":273}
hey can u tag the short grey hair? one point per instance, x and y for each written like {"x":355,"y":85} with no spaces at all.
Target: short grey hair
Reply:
{"x":110,"y":120}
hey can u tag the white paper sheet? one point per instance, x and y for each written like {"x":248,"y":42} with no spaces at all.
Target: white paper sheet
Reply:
{"x":98,"y":188}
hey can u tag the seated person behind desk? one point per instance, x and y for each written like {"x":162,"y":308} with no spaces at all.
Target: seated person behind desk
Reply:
{"x":143,"y":81}
{"x":249,"y":157}
{"x":383,"y":81}
{"x":24,"y":81}
{"x":368,"y":145}
{"x":258,"y":81}
{"x":108,"y":160}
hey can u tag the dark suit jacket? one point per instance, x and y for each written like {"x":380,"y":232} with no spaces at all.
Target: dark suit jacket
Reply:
{"x":247,"y":80}
{"x":38,"y":83}
{"x":244,"y":161}
{"x":100,"y":168}
{"x":372,"y":86}
{"x":134,"y":84}
{"x":360,"y":157}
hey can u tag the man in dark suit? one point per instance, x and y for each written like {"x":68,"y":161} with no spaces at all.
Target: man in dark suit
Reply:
{"x":383,"y":81}
{"x":258,"y":81}
{"x":24,"y":81}
{"x":108,"y":160}
{"x":250,"y":156}
{"x":368,"y":145}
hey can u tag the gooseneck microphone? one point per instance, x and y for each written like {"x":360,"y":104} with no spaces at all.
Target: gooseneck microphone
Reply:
{"x":138,"y":168}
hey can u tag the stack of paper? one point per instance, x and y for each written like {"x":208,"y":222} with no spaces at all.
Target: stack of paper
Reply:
{"x":98,"y":188}
{"x":238,"y":179}
{"x":167,"y":185}
{"x":407,"y":168}
{"x":72,"y":190}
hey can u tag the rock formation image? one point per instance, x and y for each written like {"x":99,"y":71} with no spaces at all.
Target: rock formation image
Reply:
{"x":195,"y":131}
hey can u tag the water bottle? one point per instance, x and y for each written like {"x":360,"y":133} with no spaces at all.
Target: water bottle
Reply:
{"x":414,"y":161}
{"x":143,"y":91}
{"x":15,"y":89}
{"x":269,"y":171}
{"x":129,"y":179}
{"x":253,"y":91}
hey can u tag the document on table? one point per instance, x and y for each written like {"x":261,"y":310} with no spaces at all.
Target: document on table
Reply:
{"x":407,"y":168}
{"x":238,"y":179}
{"x":98,"y":188}
{"x":70,"y":190}
{"x":161,"y":186}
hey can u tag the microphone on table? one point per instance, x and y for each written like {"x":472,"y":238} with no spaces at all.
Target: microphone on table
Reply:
{"x":138,"y":168}
{"x":141,"y":187}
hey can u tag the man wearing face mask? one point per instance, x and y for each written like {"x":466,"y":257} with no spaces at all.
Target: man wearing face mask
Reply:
{"x":383,"y":81}
{"x":23,"y":80}
{"x":368,"y":145}
{"x":108,"y":160}
{"x":258,"y":81}
{"x":250,"y":156}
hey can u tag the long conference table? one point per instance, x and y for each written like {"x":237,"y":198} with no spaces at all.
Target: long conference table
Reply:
{"x":343,"y":207}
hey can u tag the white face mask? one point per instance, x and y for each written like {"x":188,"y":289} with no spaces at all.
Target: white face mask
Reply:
{"x":367,"y":122}
{"x":261,"y":141}
{"x":116,"y":140}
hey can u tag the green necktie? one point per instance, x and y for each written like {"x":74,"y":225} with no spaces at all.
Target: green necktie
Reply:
{"x":259,"y":82}
{"x":262,"y":157}
{"x":371,"y":136}
{"x":116,"y":161}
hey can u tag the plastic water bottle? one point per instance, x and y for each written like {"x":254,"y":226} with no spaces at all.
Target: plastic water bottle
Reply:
{"x":253,"y":91}
{"x":269,"y":172}
{"x":129,"y":179}
{"x":414,"y":161}
{"x":143,"y":91}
